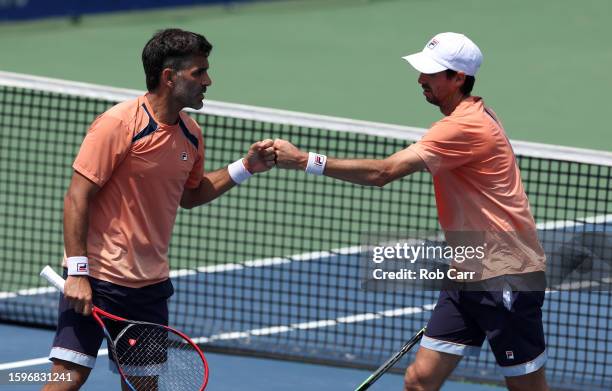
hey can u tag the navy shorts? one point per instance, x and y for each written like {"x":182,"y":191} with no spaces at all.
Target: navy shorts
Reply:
{"x":511,"y":321}
{"x":78,"y":338}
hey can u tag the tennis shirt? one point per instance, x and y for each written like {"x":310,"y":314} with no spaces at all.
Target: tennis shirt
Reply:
{"x":479,"y":191}
{"x":142,"y":167}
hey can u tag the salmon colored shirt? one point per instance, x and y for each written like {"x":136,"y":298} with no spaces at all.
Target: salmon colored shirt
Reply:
{"x":142,"y":167}
{"x":478,"y":189}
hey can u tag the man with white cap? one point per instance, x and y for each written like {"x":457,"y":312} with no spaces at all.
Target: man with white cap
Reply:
{"x":478,"y":188}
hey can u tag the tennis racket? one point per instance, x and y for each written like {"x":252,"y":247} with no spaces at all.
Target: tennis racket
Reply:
{"x":148,"y":356}
{"x":391,"y":361}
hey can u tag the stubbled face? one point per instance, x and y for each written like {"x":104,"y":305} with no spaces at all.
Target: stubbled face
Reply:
{"x":191,"y":82}
{"x":437,"y":87}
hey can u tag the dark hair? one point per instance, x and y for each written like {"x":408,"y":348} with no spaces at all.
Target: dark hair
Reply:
{"x":170,"y":48}
{"x":468,"y":84}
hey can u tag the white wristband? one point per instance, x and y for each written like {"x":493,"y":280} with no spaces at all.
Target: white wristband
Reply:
{"x":238,"y":172}
{"x":77,"y":266}
{"x":316,"y":163}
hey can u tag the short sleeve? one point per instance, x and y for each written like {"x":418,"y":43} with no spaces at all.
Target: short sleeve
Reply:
{"x":105,"y":146}
{"x":444,"y":147}
{"x":196,"y":173}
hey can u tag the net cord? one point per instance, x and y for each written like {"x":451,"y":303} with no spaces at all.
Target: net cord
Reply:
{"x":284,"y":117}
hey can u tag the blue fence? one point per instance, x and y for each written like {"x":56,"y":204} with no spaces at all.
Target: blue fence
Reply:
{"x":35,"y":9}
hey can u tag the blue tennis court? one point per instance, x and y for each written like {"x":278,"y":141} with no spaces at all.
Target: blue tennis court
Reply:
{"x":295,"y":321}
{"x":228,"y":372}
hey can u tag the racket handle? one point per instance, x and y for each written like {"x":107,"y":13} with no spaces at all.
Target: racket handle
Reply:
{"x":53,"y":278}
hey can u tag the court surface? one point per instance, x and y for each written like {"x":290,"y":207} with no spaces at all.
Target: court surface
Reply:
{"x":545,"y":63}
{"x":228,"y":373}
{"x":26,"y":343}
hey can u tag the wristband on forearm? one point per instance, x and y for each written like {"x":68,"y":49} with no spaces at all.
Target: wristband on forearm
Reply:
{"x":316,"y":163}
{"x":77,"y":266}
{"x":238,"y":172}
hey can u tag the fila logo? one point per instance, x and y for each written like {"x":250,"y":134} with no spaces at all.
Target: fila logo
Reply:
{"x":432,"y":44}
{"x":318,"y":160}
{"x":509,"y":354}
{"x":81,"y":267}
{"x":184,"y":156}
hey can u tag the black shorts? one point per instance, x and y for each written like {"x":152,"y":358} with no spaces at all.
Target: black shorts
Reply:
{"x":511,"y":322}
{"x":78,"y":338}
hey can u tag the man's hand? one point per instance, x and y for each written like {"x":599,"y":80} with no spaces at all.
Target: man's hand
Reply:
{"x":260,"y":157}
{"x":289,"y":156}
{"x":77,"y":291}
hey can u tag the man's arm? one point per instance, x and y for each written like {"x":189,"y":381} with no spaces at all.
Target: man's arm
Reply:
{"x":76,"y":217}
{"x":260,"y":158}
{"x":213,"y":184}
{"x":367,"y":172}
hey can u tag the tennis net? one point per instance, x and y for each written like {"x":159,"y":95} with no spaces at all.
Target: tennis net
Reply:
{"x":272,"y":268}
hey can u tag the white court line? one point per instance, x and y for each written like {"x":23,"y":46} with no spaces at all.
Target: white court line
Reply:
{"x":271,"y":330}
{"x":37,"y":361}
{"x":218,"y":268}
{"x":601,"y":219}
{"x":26,"y":292}
{"x":358,"y":318}
{"x":264,"y":262}
{"x":309,"y":256}
{"x":24,"y":363}
{"x":316,"y":324}
{"x":263,"y":331}
{"x":267,"y":262}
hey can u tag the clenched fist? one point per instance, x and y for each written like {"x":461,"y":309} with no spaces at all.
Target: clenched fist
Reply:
{"x":289,"y":156}
{"x":260,"y":157}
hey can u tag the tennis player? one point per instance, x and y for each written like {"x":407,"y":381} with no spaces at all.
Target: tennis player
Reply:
{"x":139,"y":161}
{"x":478,"y":189}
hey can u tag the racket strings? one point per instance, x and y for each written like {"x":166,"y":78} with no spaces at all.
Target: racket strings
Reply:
{"x":154,"y":358}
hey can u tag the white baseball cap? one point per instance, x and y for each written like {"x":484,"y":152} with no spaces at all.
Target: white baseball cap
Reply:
{"x":447,"y":51}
